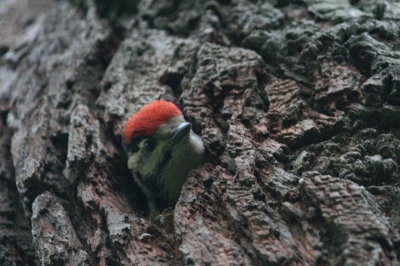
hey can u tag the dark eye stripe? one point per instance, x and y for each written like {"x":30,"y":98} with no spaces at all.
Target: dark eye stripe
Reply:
{"x":134,"y":145}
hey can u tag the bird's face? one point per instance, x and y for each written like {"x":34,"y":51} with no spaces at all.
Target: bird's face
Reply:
{"x":161,"y":149}
{"x":148,"y":155}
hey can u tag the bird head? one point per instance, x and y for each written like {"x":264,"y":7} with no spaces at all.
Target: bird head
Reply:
{"x":152,"y":132}
{"x":159,"y":142}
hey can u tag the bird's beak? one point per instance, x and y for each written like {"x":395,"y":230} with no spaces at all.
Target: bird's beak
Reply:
{"x":180,"y":131}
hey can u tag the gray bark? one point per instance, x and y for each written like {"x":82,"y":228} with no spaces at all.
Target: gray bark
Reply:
{"x":298,"y":104}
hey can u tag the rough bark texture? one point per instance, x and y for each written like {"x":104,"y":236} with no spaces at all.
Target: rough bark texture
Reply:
{"x":298,"y":104}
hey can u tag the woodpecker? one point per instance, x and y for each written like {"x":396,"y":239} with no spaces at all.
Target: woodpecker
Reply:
{"x":161,"y":148}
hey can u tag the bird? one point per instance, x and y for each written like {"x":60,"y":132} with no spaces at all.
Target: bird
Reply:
{"x":161,"y":150}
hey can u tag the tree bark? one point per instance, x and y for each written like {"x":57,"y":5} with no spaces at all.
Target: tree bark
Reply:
{"x":297,"y":103}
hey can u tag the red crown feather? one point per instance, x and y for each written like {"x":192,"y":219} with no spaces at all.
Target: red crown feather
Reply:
{"x":146,"y":121}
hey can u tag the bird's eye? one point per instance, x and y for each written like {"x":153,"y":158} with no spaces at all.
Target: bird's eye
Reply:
{"x":150,"y":145}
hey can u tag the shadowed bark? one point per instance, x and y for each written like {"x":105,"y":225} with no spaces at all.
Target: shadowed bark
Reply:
{"x":297,"y":103}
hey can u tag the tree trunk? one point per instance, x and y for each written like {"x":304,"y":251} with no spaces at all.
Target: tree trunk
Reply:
{"x":298,"y":105}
